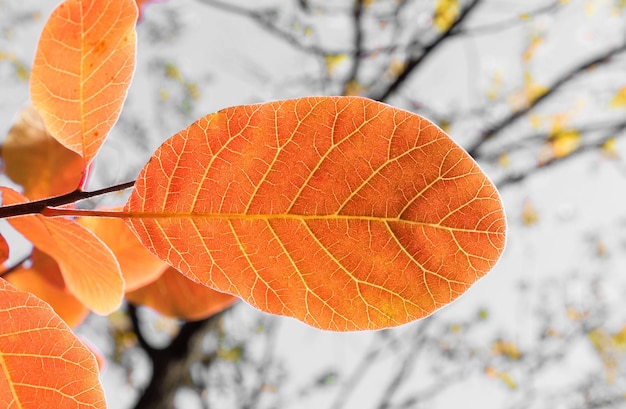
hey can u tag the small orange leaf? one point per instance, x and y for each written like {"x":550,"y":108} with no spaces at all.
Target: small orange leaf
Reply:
{"x":82,"y":70}
{"x":89,"y":269}
{"x":4,"y":250}
{"x":174,"y":295}
{"x":41,"y":361}
{"x":36,"y":161}
{"x":39,"y":279}
{"x":139,"y":267}
{"x":342,"y":212}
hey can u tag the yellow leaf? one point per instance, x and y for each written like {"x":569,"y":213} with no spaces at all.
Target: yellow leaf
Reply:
{"x":564,"y":143}
{"x":576,"y":315}
{"x":444,"y":124}
{"x":609,"y":148}
{"x":333,"y":61}
{"x":496,"y":85}
{"x":508,"y":349}
{"x":619,"y":99}
{"x":530,"y":216}
{"x":172,"y":71}
{"x":353,"y":88}
{"x":601,"y":249}
{"x":619,"y":339}
{"x":530,"y":51}
{"x":504,"y":160}
{"x":446,"y":13}
{"x":456,"y":328}
{"x":505,"y":377}
{"x":535,"y":121}
{"x":396,"y":67}
{"x":525,"y":95}
{"x":532,"y":90}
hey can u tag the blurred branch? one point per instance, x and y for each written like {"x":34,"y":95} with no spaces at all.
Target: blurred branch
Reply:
{"x":358,"y":44}
{"x":516,"y":178}
{"x":38,"y":206}
{"x":367,"y":360}
{"x":170,"y":365}
{"x":428,"y":49}
{"x":408,"y":362}
{"x":565,"y":78}
{"x":510,"y":23}
{"x":264,"y":367}
{"x":264,"y":20}
{"x":533,"y":140}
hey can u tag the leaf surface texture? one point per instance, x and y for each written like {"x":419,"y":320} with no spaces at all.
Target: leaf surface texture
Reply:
{"x":41,"y":361}
{"x":83,"y":67}
{"x":342,"y":212}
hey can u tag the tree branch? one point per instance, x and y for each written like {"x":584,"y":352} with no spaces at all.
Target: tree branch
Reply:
{"x":38,"y":206}
{"x":358,"y":44}
{"x":491,"y":132}
{"x":171,"y":365}
{"x":517,"y":178}
{"x":413,"y":63}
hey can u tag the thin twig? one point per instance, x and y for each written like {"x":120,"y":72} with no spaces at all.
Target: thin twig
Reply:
{"x":358,"y":43}
{"x":38,"y":206}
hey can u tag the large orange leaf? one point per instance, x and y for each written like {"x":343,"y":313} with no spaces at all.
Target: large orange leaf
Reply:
{"x":89,"y":268}
{"x":340,"y":211}
{"x":174,"y":295}
{"x":35,"y":160}
{"x":43,"y":278}
{"x":42,"y":363}
{"x":139,"y":267}
{"x":82,"y":70}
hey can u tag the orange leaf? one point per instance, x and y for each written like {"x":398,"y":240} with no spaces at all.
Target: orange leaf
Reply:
{"x":174,"y":295}
{"x":139,"y":267}
{"x":89,"y":269}
{"x":82,"y":70}
{"x":35,"y":160}
{"x":340,"y":211}
{"x":41,"y":360}
{"x":36,"y":280}
{"x":4,"y":249}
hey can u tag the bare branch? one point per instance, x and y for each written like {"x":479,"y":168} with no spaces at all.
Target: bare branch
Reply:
{"x":415,"y":62}
{"x":170,"y":365}
{"x":39,"y":206}
{"x":565,"y":78}
{"x":358,"y":43}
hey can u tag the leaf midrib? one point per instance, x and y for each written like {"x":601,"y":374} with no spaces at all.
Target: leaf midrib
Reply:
{"x":283,"y":216}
